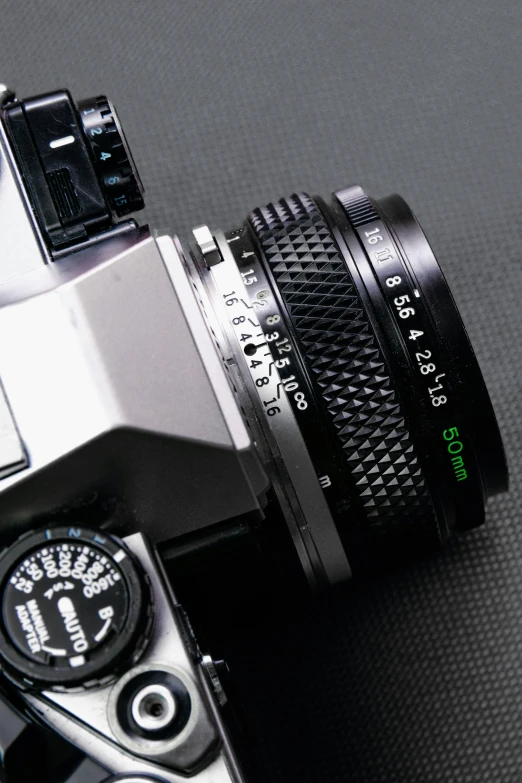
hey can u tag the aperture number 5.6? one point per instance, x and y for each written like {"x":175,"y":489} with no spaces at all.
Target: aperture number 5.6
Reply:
{"x":400,"y":302}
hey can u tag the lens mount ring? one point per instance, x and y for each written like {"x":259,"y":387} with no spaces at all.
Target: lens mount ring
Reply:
{"x":349,"y":370}
{"x":289,"y":463}
{"x":279,"y":341}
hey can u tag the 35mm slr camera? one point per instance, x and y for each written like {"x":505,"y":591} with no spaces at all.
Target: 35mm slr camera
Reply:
{"x":299,"y":390}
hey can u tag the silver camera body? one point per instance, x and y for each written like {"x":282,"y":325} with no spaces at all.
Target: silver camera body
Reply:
{"x":112,"y":385}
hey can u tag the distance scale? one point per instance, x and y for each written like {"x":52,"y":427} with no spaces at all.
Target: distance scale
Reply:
{"x":244,"y":302}
{"x":270,"y":353}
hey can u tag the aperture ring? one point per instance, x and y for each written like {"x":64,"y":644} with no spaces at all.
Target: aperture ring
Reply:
{"x":431,"y":374}
{"x":346,"y":363}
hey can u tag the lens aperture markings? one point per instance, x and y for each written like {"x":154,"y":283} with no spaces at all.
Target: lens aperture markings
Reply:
{"x":269,"y":354}
{"x":407,"y":310}
{"x":433,"y":376}
{"x":279,"y":346}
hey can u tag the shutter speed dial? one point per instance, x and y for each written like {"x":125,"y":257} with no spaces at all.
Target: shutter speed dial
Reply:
{"x":115,"y":167}
{"x":76,"y":607}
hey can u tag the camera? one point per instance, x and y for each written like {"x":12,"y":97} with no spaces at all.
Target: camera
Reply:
{"x":295,"y":401}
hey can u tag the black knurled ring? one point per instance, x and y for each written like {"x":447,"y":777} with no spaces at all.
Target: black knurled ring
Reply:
{"x":346,"y":364}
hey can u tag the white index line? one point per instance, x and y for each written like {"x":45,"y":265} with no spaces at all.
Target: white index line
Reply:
{"x":416,"y":292}
{"x":119,"y":555}
{"x":99,"y":636}
{"x":61,"y":142}
{"x":53,"y":651}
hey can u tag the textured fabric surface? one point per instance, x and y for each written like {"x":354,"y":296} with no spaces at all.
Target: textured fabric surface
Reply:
{"x":416,"y":677}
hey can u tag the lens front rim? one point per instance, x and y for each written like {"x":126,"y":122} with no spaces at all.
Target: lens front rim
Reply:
{"x":469,"y":382}
{"x":433,"y":393}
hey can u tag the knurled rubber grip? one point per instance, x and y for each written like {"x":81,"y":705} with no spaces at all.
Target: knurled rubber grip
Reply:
{"x":346,"y":364}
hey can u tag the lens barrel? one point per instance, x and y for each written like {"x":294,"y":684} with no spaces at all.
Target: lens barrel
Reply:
{"x":398,"y":421}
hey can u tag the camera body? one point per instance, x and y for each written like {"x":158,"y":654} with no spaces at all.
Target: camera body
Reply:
{"x":156,"y":407}
{"x":116,"y":391}
{"x":93,"y":307}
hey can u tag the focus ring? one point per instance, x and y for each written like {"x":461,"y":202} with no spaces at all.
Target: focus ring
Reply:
{"x":346,"y":363}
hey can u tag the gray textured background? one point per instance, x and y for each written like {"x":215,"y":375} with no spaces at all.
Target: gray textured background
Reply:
{"x":414,"y":677}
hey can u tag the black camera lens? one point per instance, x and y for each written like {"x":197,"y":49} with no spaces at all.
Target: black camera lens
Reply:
{"x":357,"y":318}
{"x":357,"y":377}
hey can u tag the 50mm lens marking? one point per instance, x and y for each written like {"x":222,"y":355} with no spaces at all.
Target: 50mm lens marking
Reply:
{"x":455,"y":448}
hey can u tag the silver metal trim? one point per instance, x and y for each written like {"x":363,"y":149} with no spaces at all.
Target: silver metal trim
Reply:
{"x":83,"y":717}
{"x":196,"y":738}
{"x":283,"y":425}
{"x":143,"y":704}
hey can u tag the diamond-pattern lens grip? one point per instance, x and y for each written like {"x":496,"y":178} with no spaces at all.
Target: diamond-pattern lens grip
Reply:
{"x":347,"y":366}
